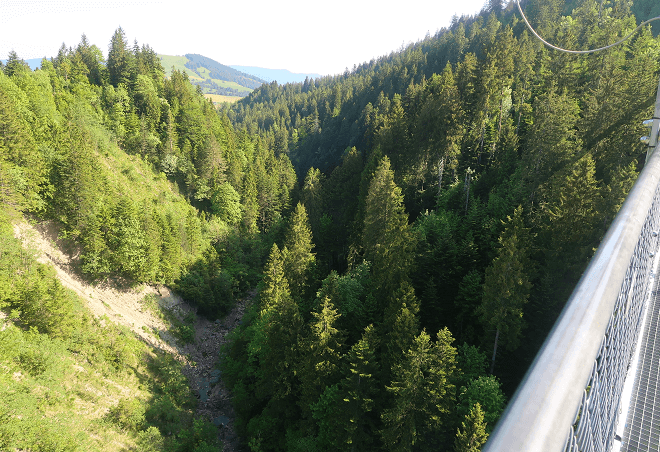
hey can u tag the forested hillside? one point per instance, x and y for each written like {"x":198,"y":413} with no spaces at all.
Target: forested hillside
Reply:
{"x":147,"y":184}
{"x":444,"y":202}
{"x":451,"y":194}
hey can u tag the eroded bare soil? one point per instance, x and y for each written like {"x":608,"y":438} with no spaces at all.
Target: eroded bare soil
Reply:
{"x":125,"y":306}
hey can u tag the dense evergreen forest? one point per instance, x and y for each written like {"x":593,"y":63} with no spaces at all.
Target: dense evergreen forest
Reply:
{"x":454,"y":192}
{"x":413,"y":226}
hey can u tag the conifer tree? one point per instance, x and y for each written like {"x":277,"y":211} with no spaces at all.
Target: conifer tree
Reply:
{"x":574,"y":223}
{"x":250,"y":204}
{"x":77,"y":177}
{"x":320,"y":355}
{"x":128,"y":241}
{"x":485,"y":391}
{"x":275,"y":284}
{"x":312,"y":198}
{"x":17,"y":146}
{"x":360,"y":390}
{"x":152,"y":239}
{"x":297,"y":253}
{"x":276,"y":333}
{"x":171,"y":253}
{"x":402,"y":326}
{"x":95,"y":258}
{"x":507,"y":284}
{"x":120,"y":59}
{"x":472,"y":436}
{"x":387,"y":238}
{"x":15,"y":65}
{"x":421,"y":391}
{"x":552,"y":140}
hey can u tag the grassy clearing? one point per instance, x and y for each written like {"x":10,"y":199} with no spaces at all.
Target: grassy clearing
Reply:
{"x":218,"y":99}
{"x":226,"y":84}
{"x":178,"y":63}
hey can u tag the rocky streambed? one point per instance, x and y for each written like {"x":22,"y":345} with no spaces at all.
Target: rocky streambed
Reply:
{"x":206,"y":379}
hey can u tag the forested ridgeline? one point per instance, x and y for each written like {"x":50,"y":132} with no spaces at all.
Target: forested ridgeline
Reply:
{"x":451,"y":195}
{"x":147,"y":184}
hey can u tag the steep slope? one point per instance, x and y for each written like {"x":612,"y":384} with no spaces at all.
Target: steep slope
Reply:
{"x":154,"y":314}
{"x":211,"y":76}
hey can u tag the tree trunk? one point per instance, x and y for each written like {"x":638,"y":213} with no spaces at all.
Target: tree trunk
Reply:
{"x":492,"y":363}
{"x":441,"y":170}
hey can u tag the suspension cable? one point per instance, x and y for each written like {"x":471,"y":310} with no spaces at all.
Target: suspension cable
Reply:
{"x":580,"y":51}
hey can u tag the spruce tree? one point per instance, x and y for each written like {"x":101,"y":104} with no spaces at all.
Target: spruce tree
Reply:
{"x":472,"y":436}
{"x":360,"y":391}
{"x":120,"y":59}
{"x":421,"y":392}
{"x":320,"y":355}
{"x":297,"y":253}
{"x":486,"y":392}
{"x":401,"y":326}
{"x":250,"y":204}
{"x":276,"y":333}
{"x":507,"y":284}
{"x":275,"y":284}
{"x":387,"y":238}
{"x":312,"y":198}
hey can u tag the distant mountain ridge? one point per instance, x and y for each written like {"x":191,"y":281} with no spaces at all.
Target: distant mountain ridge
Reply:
{"x":222,"y":72}
{"x":282,"y":76}
{"x":217,"y":78}
{"x":211,"y":76}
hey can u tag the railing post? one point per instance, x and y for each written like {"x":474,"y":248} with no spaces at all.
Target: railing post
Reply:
{"x":655,"y":126}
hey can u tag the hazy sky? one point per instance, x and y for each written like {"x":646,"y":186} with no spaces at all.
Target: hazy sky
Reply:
{"x":308,"y":36}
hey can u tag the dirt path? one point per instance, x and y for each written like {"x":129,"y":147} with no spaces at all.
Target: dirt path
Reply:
{"x":126,"y":307}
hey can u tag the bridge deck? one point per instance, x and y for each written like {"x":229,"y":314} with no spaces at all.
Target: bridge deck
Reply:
{"x":642,"y":429}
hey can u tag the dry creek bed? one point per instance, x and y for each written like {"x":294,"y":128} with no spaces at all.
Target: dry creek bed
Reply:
{"x":126,"y":307}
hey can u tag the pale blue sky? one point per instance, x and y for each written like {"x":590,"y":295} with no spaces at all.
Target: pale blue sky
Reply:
{"x":308,"y":36}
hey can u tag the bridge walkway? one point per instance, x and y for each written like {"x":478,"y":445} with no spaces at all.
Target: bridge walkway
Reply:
{"x":642,"y":429}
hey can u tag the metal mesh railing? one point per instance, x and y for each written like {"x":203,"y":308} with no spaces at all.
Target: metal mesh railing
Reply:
{"x":569,"y":399}
{"x":596,"y":419}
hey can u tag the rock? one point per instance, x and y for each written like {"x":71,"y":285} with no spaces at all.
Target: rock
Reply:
{"x":221,"y":420}
{"x":215,"y":376}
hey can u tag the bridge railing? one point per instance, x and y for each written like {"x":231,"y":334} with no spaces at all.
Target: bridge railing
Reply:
{"x":569,"y":398}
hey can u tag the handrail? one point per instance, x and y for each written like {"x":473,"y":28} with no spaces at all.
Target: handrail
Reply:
{"x":554,"y":397}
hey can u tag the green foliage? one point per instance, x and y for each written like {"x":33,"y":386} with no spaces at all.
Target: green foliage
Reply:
{"x":320,"y":356}
{"x":486,"y":392}
{"x":387,"y":238}
{"x":207,"y":285}
{"x":226,"y":204}
{"x":200,"y":437}
{"x":44,"y":303}
{"x":473,"y":434}
{"x":420,"y":390}
{"x":507,"y":282}
{"x":360,"y":393}
{"x":128,"y":414}
{"x":297,"y":253}
{"x":449,"y":134}
{"x":350,"y":294}
{"x":471,"y":363}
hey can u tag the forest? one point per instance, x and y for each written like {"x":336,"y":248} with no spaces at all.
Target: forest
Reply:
{"x":413,"y":228}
